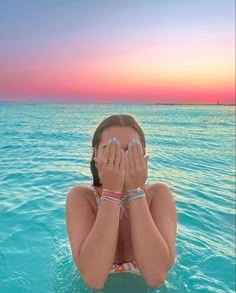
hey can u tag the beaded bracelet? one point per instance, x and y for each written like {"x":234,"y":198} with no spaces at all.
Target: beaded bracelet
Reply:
{"x":134,"y":193}
{"x":111,"y":199}
{"x":112,"y":196}
{"x":120,"y":198}
{"x":136,"y":196}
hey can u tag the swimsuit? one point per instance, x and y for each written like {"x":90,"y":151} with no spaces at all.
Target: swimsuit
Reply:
{"x":126,"y":267}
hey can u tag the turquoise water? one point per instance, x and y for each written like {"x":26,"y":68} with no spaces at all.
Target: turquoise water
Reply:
{"x":45,"y":149}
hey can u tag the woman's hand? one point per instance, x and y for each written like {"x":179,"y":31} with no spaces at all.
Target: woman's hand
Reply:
{"x":112,"y":175}
{"x":136,"y":171}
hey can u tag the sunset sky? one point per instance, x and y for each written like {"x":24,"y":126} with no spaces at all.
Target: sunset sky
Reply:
{"x":157,"y":51}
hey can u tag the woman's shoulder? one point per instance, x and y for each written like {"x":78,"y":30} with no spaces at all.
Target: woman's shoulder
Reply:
{"x":82,"y":188}
{"x":154,"y":185}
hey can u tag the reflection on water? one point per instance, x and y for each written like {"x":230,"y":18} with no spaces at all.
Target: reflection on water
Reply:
{"x":43,"y":154}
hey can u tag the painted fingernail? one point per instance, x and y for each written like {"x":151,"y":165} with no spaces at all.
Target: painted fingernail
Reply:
{"x":130,"y":144}
{"x":133,"y":140}
{"x":110,"y":140}
{"x":122,"y":151}
{"x":137,"y":141}
{"x":116,"y":140}
{"x":126,"y":151}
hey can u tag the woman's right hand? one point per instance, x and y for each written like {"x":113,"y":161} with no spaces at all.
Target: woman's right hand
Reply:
{"x":111,"y":175}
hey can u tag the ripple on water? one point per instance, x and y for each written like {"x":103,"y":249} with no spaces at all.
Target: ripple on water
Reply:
{"x":39,"y":164}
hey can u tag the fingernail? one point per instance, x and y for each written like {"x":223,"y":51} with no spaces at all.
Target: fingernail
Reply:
{"x":122,"y":151}
{"x":126,"y":151}
{"x":133,"y":140}
{"x":137,"y":141}
{"x":116,"y":140}
{"x":110,"y":140}
{"x":130,"y":144}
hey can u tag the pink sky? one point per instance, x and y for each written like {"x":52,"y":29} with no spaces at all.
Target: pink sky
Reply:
{"x":168,"y":65}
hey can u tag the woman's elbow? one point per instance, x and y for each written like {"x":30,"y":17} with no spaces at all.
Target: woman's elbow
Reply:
{"x":93,"y":284}
{"x":160,"y":278}
{"x":158,"y":281}
{"x":92,"y":278}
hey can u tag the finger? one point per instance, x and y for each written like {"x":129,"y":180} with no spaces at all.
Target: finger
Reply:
{"x":122,"y":160}
{"x":126,"y":161}
{"x":136,"y":154}
{"x":131,"y":156}
{"x":107,"y":152}
{"x":140,"y":154}
{"x":98,"y":162}
{"x":146,"y":165}
{"x":112,"y":153}
{"x":117,"y":155}
{"x":146,"y":160}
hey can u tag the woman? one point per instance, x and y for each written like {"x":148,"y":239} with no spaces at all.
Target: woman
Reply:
{"x":121,"y":224}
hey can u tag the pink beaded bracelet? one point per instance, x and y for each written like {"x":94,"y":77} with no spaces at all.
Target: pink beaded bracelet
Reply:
{"x":112,"y":196}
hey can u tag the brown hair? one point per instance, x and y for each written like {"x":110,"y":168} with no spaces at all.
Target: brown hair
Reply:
{"x":114,"y":120}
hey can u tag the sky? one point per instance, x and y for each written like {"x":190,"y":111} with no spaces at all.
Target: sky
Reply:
{"x":150,"y":51}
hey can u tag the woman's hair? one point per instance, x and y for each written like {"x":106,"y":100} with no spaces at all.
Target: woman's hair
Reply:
{"x":114,"y":120}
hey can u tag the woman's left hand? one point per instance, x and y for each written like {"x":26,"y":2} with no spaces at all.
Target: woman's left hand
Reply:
{"x":136,"y":171}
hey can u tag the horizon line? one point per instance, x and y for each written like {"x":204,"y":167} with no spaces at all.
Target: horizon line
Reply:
{"x":119,"y":103}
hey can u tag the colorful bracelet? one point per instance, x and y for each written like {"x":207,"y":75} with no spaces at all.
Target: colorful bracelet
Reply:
{"x":135,"y":196}
{"x":112,"y":196}
{"x":111,"y":199}
{"x":134,"y":193}
{"x":137,"y":190}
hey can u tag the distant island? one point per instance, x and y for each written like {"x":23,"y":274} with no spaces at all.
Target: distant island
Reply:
{"x":193,"y":104}
{"x":218,"y":103}
{"x":111,"y":103}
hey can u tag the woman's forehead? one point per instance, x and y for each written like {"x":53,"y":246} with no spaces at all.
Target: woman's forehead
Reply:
{"x":123,"y":133}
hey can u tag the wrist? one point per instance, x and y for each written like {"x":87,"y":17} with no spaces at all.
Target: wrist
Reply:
{"x":117,"y":190}
{"x":134,"y":190}
{"x":135,"y":193}
{"x":114,"y":194}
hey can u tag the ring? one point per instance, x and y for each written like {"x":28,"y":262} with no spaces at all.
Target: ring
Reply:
{"x":109,"y":162}
{"x":137,"y":161}
{"x":105,"y":162}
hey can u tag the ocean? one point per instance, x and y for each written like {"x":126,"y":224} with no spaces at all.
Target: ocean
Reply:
{"x":45,"y":149}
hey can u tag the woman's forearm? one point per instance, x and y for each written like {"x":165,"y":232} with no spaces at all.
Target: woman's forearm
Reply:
{"x":150,"y":249}
{"x":98,"y":250}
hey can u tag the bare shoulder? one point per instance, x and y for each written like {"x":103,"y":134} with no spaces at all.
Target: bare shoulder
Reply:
{"x":157,"y":186}
{"x":153,"y":187}
{"x":160,"y":190}
{"x":80,"y":188}
{"x":81,"y":191}
{"x":77,"y":192}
